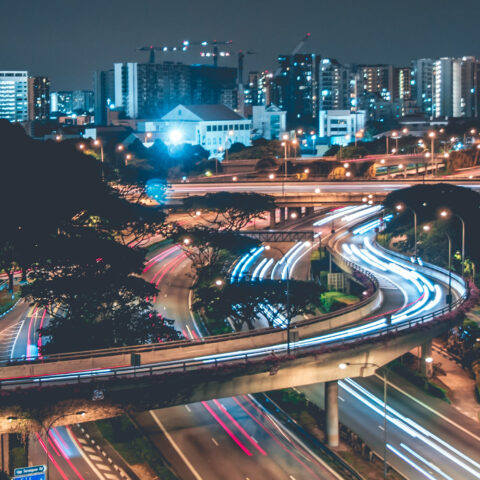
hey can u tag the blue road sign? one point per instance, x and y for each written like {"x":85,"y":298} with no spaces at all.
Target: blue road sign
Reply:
{"x":29,"y":470}
{"x":35,"y":476}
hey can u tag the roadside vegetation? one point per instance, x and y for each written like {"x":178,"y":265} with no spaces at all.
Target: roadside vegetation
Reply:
{"x":75,"y":235}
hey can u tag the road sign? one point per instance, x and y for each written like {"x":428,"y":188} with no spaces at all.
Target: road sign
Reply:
{"x":35,"y":476}
{"x":29,"y":470}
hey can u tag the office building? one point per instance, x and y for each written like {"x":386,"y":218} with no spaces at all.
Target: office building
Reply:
{"x":72,"y":102}
{"x":214,"y":127}
{"x":296,"y":88}
{"x":14,"y":95}
{"x":339,"y":127}
{"x":38,"y":98}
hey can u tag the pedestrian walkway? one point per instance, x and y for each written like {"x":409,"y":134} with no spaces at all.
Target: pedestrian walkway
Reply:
{"x":460,"y":383}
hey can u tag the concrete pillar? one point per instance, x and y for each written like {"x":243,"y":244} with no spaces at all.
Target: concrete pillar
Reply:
{"x":309,"y":211}
{"x":5,"y":453}
{"x":284,"y":214}
{"x":427,"y":367}
{"x":331,"y":414}
{"x":272,"y":217}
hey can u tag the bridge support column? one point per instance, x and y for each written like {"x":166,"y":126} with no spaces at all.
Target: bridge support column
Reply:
{"x":283,"y":213}
{"x":309,"y":211}
{"x":427,"y":365}
{"x":331,"y":413}
{"x":272,"y":214}
{"x":5,"y":453}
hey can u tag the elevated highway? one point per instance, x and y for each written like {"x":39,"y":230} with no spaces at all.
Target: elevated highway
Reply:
{"x":232,"y":364}
{"x":308,"y":193}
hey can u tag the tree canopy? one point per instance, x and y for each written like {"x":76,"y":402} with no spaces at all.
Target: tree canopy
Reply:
{"x":231,"y":211}
{"x":70,"y":230}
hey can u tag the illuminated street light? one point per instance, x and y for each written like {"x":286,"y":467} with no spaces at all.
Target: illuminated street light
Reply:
{"x":234,"y":179}
{"x":271,"y":176}
{"x":186,"y":241}
{"x":120,"y":148}
{"x":293,"y":215}
{"x":175,"y":136}
{"x":317,"y":190}
{"x":218,"y":282}
{"x":198,"y":213}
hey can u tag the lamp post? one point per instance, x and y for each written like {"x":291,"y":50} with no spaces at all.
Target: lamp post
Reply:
{"x":47,"y":431}
{"x":401,"y":207}
{"x":427,"y":228}
{"x":287,"y":271}
{"x":446,"y":214}
{"x":343,"y":366}
{"x":230,"y":134}
{"x":289,"y":319}
{"x":432,"y":149}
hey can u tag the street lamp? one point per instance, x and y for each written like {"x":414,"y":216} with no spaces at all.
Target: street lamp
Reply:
{"x":427,"y":228}
{"x":287,"y":272}
{"x":227,"y":139}
{"x":81,"y":146}
{"x":446,"y":214}
{"x":432,"y":149}
{"x":47,"y":431}
{"x":401,"y":206}
{"x":343,"y":366}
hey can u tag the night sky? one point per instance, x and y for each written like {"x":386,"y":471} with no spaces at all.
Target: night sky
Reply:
{"x":68,"y":39}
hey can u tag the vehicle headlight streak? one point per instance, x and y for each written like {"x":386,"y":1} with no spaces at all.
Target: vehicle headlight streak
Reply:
{"x":423,"y":303}
{"x":411,"y":427}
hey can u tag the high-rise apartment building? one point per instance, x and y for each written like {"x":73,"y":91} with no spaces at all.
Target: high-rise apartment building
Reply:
{"x":38,"y":98}
{"x":296,"y":88}
{"x":149,"y":90}
{"x":422,"y":83}
{"x":470,"y":87}
{"x":71,"y":102}
{"x":14,"y":95}
{"x":212,"y":85}
{"x":335,"y":85}
{"x":447,"y":87}
{"x":377,"y":79}
{"x":104,"y":95}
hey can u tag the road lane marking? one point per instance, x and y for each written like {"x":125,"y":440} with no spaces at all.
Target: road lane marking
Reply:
{"x":175,"y":446}
{"x":84,"y":455}
{"x":215,"y":442}
{"x":430,"y":409}
{"x":341,"y":398}
{"x":188,"y":409}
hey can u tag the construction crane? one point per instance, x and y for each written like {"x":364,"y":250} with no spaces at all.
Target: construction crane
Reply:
{"x":295,"y":50}
{"x":153,"y":49}
{"x":205,"y":43}
{"x":241,"y":57}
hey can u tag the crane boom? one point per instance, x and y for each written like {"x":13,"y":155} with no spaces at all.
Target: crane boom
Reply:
{"x":295,"y":51}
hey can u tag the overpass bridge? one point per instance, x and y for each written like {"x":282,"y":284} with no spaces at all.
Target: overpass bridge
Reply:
{"x":215,"y":367}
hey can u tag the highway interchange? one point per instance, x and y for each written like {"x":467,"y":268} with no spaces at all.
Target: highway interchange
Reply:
{"x":191,"y":434}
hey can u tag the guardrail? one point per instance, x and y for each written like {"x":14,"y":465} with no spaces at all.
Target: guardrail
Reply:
{"x":86,"y":354}
{"x":220,"y":358}
{"x":235,"y":359}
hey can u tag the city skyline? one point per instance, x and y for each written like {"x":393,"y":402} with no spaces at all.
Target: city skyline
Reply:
{"x":357,"y":37}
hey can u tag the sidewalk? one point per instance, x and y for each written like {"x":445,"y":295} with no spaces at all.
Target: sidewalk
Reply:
{"x":460,"y":384}
{"x":458,"y":381}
